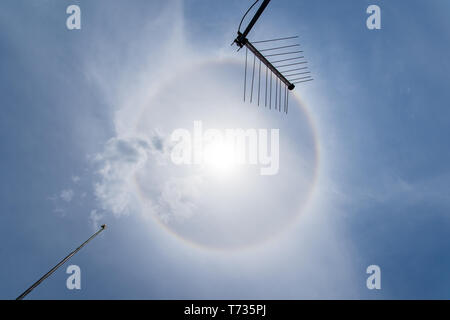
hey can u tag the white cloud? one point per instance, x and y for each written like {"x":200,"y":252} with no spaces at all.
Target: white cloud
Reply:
{"x":95,"y":218}
{"x":178,"y":199}
{"x":67,"y":195}
{"x":121,"y":158}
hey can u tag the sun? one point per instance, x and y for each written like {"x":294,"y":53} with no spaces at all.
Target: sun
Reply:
{"x":220,"y":157}
{"x":215,"y":195}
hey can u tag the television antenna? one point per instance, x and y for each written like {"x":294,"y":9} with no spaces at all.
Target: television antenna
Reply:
{"x":281,"y":66}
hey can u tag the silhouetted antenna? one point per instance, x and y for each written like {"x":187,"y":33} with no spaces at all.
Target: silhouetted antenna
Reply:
{"x":265,"y":96}
{"x":276,"y":93}
{"x":296,"y":74}
{"x":287,"y":38}
{"x":48,"y":274}
{"x":278,"y":48}
{"x":245,"y":74}
{"x":279,"y":94}
{"x":282,"y":54}
{"x":304,"y":68}
{"x":303,"y":81}
{"x":253,"y":78}
{"x":259,"y":81}
{"x":270,"y":97}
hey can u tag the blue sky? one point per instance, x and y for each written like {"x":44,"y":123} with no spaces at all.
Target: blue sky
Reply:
{"x":378,"y":103}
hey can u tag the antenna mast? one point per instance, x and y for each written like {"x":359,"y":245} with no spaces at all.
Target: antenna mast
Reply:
{"x":48,"y":274}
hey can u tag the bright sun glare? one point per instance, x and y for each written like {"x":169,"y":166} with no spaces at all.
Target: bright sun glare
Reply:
{"x":221,"y":157}
{"x":218,"y":184}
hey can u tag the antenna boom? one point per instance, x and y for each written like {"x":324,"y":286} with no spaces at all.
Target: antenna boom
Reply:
{"x":48,"y":274}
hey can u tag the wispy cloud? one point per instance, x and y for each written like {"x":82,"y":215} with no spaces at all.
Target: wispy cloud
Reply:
{"x":67,"y":195}
{"x":118,"y":163}
{"x":76,"y":179}
{"x":95,"y":217}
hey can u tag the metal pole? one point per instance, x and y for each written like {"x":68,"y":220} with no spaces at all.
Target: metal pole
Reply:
{"x":255,"y":18}
{"x":241,"y":39}
{"x":48,"y":274}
